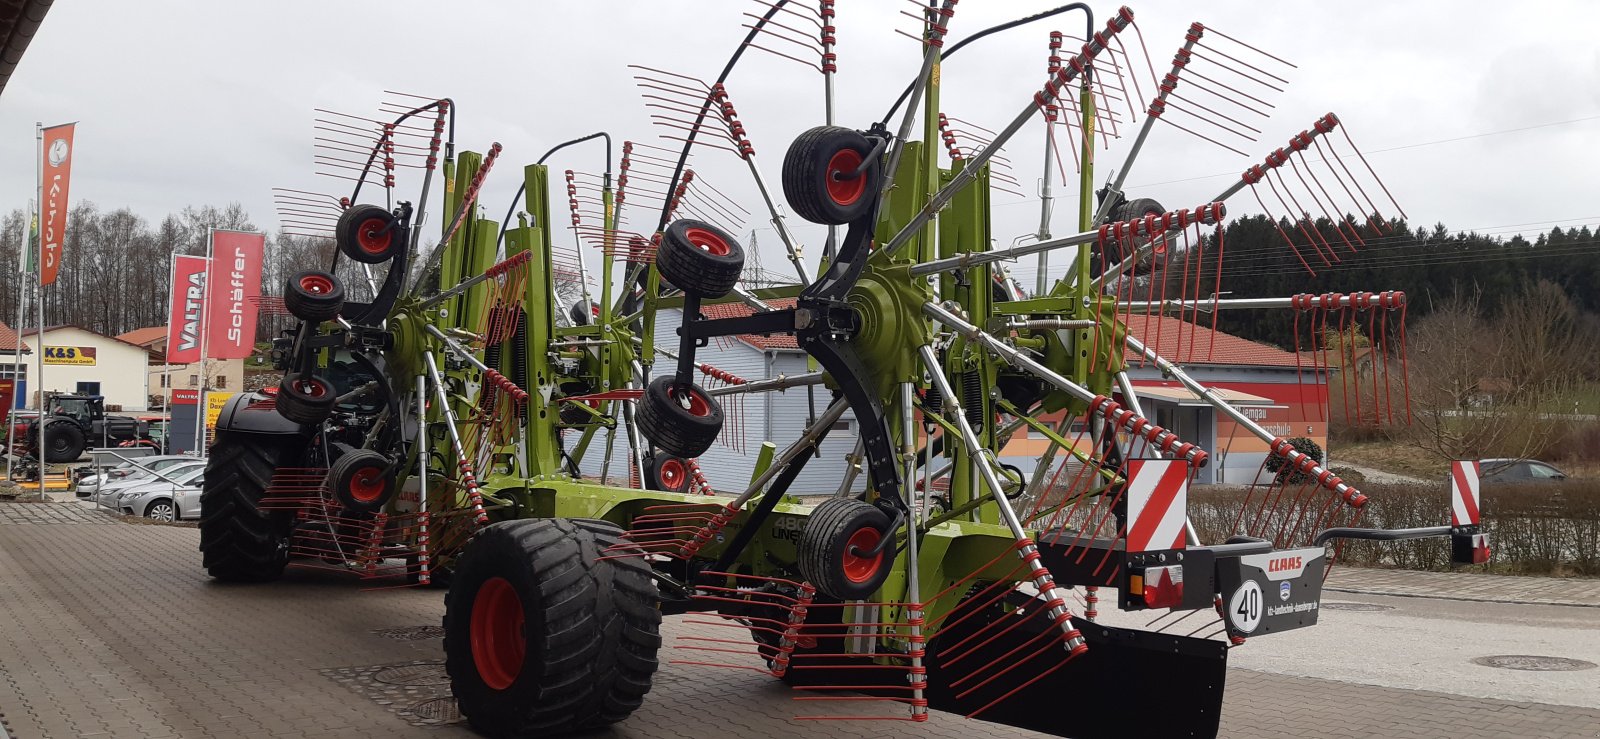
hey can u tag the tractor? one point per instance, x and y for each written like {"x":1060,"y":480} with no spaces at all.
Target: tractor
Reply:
{"x":72,"y":423}
{"x":433,"y":431}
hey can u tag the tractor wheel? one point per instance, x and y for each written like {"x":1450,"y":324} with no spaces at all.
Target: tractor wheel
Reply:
{"x":305,"y":399}
{"x":369,"y":234}
{"x":239,"y":540}
{"x":683,"y":421}
{"x":313,"y":296}
{"x":362,"y":480}
{"x":819,"y":180}
{"x":542,"y":635}
{"x":699,"y":258}
{"x":831,"y":550}
{"x":666,"y":473}
{"x":1136,"y":209}
{"x":65,"y":440}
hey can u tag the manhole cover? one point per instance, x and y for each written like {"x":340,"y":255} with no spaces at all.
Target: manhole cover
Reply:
{"x":427,"y":674}
{"x":412,"y":633}
{"x":1533,"y":663}
{"x":1340,"y":606}
{"x":438,"y":709}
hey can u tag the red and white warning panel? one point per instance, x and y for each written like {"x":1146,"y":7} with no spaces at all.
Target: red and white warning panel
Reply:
{"x":1158,"y":504}
{"x":1465,"y":493}
{"x":1468,"y":545}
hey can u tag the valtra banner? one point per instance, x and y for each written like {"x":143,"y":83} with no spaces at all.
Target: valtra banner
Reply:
{"x":57,"y":177}
{"x":186,"y":322}
{"x":235,"y":291}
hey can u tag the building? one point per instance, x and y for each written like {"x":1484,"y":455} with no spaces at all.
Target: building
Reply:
{"x":778,"y":417}
{"x":77,"y":360}
{"x":226,"y":375}
{"x":1276,"y":389}
{"x":9,"y":367}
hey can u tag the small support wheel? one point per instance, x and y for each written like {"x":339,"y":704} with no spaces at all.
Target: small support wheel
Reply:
{"x":362,"y":480}
{"x":682,"y":420}
{"x":305,"y":399}
{"x":820,"y":177}
{"x":583,"y":313}
{"x":1137,"y":208}
{"x":699,"y":258}
{"x":313,"y":296}
{"x":666,"y":473}
{"x":834,"y":549}
{"x":369,"y":234}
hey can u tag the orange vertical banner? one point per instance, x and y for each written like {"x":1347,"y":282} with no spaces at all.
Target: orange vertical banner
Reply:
{"x":56,"y":180}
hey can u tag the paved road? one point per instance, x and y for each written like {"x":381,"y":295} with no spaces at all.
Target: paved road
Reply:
{"x":111,"y":630}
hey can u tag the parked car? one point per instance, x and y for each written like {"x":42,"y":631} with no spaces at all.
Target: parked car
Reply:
{"x":90,"y":484}
{"x":165,"y":500}
{"x":1507,"y":471}
{"x":108,"y":492}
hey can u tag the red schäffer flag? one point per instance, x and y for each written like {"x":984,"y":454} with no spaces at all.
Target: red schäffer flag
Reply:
{"x":186,"y":323}
{"x":57,"y":176}
{"x":235,"y":285}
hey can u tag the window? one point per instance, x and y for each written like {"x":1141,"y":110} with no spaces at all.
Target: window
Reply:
{"x":1544,"y":472}
{"x":222,"y":382}
{"x":88,"y":388}
{"x":194,"y":381}
{"x":165,"y":380}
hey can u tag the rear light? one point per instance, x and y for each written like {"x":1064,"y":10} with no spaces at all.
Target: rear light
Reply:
{"x":1159,"y":587}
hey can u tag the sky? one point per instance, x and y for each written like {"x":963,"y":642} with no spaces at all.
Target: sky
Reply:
{"x":188,"y":102}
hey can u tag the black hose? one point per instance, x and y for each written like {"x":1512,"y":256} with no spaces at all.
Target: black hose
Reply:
{"x":522,"y":188}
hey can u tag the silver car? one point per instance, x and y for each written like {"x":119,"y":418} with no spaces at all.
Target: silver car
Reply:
{"x":108,"y":493}
{"x":171,"y":499}
{"x":91,"y":484}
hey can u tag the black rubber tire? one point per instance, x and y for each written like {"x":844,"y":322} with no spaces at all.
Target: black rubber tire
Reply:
{"x":1137,"y":208}
{"x":684,"y":432}
{"x":367,"y":233}
{"x":823,"y":551}
{"x":583,"y":313}
{"x":305,"y":399}
{"x":362,"y":480}
{"x":239,"y":541}
{"x":589,"y":629}
{"x":699,"y":258}
{"x":65,"y":439}
{"x":313,"y":296}
{"x":809,"y":167}
{"x":666,"y":473}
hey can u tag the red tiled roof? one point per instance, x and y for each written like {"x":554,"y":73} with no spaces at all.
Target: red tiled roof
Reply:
{"x":1184,"y":342}
{"x":1179,"y":341}
{"x":8,"y":340}
{"x":740,"y":310}
{"x":145,"y":336}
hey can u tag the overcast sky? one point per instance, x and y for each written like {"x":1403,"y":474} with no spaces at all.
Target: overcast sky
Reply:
{"x":195,"y":102}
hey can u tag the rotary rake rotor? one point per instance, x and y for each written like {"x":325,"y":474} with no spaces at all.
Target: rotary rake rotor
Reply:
{"x":439,"y":429}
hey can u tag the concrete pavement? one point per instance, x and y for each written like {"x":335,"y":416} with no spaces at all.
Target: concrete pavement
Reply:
{"x":112,"y":630}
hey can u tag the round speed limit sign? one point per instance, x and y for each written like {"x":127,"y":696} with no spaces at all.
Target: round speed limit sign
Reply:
{"x":1245,"y":607}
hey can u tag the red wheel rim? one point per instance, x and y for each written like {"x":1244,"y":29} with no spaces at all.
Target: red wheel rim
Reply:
{"x":671,"y":474}
{"x":859,"y":569}
{"x":497,"y":643}
{"x":707,"y":241}
{"x":367,"y":484}
{"x":311,"y":388}
{"x":844,"y":187}
{"x":694,"y":402}
{"x":316,"y":284}
{"x":372,"y":237}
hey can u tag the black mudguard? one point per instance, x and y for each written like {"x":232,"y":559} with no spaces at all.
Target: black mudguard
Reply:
{"x":238,"y":416}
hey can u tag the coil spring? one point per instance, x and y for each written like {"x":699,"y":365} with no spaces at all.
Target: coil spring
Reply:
{"x":972,"y":398}
{"x":519,"y":355}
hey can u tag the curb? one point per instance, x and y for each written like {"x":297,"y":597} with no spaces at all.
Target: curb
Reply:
{"x":1469,"y":599}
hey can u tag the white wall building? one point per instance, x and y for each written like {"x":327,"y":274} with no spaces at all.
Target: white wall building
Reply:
{"x":77,"y":360}
{"x":225,"y":375}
